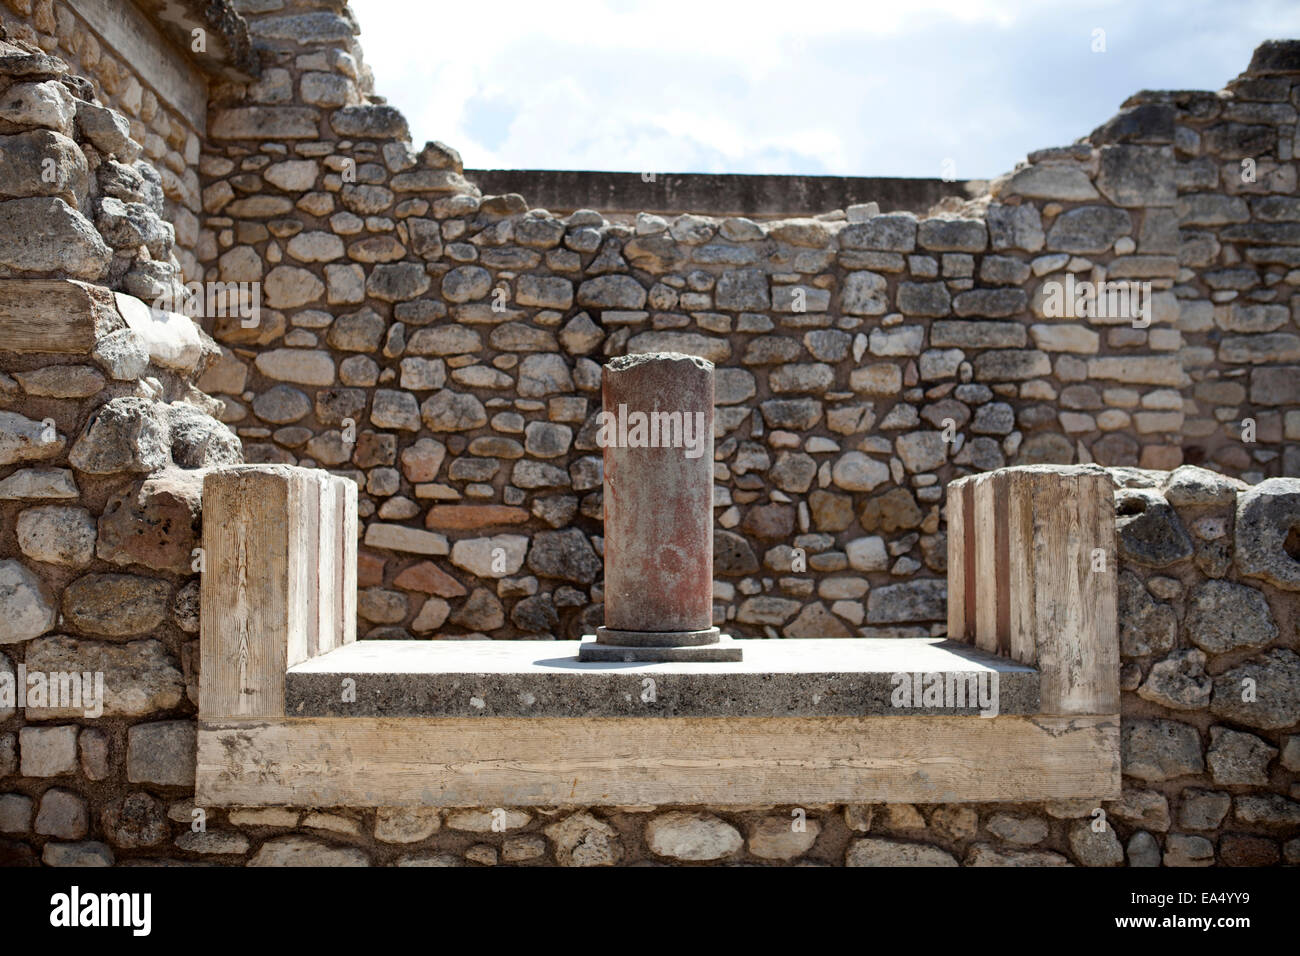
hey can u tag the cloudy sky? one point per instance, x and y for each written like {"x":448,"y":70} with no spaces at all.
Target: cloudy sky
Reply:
{"x":815,"y":87}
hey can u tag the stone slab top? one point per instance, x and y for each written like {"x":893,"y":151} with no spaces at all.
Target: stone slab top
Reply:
{"x":715,"y":194}
{"x":795,"y":678}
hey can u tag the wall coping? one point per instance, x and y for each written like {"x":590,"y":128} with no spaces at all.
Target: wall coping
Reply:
{"x":756,"y":196}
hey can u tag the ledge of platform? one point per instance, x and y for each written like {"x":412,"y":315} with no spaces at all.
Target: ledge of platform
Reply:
{"x":777,"y":678}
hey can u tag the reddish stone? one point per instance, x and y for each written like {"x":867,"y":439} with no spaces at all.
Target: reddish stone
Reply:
{"x":427,"y":578}
{"x":658,"y":501}
{"x":374,"y":449}
{"x":231,"y":329}
{"x":154,"y":523}
{"x":370,"y":570}
{"x":1240,"y":849}
{"x":830,"y":512}
{"x":770,"y":522}
{"x":421,"y":461}
{"x":470,"y":517}
{"x":893,"y":511}
{"x":1161,"y":457}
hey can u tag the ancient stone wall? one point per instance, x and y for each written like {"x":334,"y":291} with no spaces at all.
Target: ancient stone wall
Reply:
{"x":164,"y":136}
{"x":1240,"y":222}
{"x":379,"y":268}
{"x":443,"y":348}
{"x":103,"y":442}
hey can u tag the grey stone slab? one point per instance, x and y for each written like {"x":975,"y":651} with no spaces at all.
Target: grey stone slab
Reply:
{"x":720,"y":650}
{"x":563,"y":191}
{"x":776,"y":678}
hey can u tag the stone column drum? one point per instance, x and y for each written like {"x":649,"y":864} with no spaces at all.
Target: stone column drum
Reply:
{"x":657,"y":435}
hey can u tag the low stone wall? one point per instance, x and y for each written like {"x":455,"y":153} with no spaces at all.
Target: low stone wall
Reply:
{"x":1210,"y":599}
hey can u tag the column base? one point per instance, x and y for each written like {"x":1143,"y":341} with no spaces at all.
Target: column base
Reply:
{"x":612,"y":635}
{"x":723,"y":648}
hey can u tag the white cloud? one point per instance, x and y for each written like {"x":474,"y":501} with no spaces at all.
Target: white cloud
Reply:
{"x":845,"y":88}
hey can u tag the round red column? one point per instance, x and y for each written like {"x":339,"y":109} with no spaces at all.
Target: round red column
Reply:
{"x":656,"y":430}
